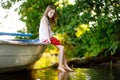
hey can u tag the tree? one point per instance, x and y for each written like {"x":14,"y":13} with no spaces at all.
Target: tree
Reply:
{"x":103,"y":35}
{"x":100,"y":16}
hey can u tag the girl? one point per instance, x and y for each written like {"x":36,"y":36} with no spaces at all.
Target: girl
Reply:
{"x":46,"y":36}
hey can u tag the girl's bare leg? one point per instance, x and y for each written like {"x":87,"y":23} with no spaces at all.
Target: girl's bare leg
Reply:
{"x":65,"y":64}
{"x":61,"y":55}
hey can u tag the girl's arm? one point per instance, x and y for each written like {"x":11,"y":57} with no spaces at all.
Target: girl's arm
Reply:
{"x":46,"y":25}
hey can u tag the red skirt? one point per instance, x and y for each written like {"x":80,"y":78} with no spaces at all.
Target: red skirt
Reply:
{"x":55,"y":41}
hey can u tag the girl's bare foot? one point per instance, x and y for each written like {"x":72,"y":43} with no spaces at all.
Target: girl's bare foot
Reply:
{"x":68,"y":69}
{"x":61,"y":69}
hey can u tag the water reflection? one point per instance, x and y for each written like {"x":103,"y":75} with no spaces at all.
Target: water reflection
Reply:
{"x":99,"y":73}
{"x":19,"y":75}
{"x":63,"y":75}
{"x":50,"y":74}
{"x":104,"y":73}
{"x":44,"y":74}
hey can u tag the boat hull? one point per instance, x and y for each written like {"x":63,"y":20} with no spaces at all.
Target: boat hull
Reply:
{"x":19,"y":55}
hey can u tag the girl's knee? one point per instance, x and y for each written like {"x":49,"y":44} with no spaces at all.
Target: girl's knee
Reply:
{"x":60,"y":47}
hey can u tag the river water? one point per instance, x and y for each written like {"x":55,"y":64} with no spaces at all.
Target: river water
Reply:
{"x":103,"y":72}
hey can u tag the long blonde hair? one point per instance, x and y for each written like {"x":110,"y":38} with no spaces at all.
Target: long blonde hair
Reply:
{"x":53,"y":20}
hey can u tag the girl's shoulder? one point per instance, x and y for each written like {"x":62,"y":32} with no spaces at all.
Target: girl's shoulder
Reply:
{"x":44,"y":18}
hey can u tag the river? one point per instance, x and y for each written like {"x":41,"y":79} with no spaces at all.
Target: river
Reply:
{"x":103,"y":72}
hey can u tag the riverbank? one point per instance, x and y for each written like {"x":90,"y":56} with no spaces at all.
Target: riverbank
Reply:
{"x":93,"y":61}
{"x":51,"y":60}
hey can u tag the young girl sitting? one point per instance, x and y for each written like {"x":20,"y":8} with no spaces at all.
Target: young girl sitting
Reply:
{"x":46,"y":36}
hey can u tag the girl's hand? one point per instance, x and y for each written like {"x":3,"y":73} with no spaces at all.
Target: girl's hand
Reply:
{"x":47,"y":41}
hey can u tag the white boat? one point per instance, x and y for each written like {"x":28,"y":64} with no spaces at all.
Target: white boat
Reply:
{"x":19,"y":54}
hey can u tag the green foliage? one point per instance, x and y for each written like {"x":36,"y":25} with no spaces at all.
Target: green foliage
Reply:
{"x":104,"y":33}
{"x":100,"y":38}
{"x":102,"y":16}
{"x":6,"y":4}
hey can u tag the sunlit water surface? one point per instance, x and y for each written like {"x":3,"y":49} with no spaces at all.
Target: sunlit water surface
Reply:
{"x":99,"y":73}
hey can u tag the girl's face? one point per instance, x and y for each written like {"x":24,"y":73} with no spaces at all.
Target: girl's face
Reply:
{"x":51,"y":13}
